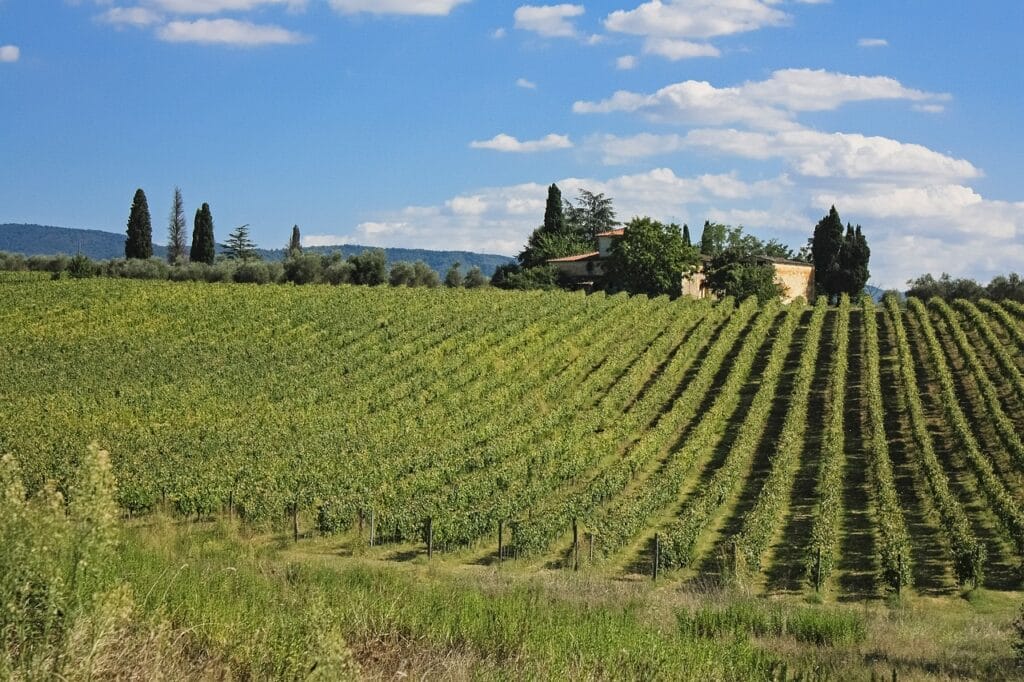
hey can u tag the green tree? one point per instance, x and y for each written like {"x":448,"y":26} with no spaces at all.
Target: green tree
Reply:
{"x":825,"y":253}
{"x":475,"y":279}
{"x":650,"y":258}
{"x":555,"y":238}
{"x":591,"y":215}
{"x":203,"y":245}
{"x":295,"y":243}
{"x":732,"y":273}
{"x":425,"y":276}
{"x":176,"y":231}
{"x":239,"y":246}
{"x":713,"y":238}
{"x":304,"y":268}
{"x":139,"y":243}
{"x":402,"y":274}
{"x":686,"y":235}
{"x":369,"y":268}
{"x":453,"y":278}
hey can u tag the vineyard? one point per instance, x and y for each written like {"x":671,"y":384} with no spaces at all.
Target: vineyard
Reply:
{"x":857,"y":449}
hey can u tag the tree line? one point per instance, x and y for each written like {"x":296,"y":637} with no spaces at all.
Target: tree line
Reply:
{"x":652,"y":257}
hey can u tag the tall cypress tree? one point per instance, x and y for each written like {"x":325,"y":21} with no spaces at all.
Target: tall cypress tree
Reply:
{"x":686,"y":235}
{"x":295,"y":243}
{"x":828,"y":243}
{"x":554,"y":217}
{"x":203,"y":245}
{"x":139,"y":243}
{"x":176,"y":230}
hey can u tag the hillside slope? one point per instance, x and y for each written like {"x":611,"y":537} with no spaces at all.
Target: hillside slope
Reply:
{"x":42,"y":240}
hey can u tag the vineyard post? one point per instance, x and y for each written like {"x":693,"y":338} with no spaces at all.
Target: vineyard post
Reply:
{"x":817,"y":571}
{"x":899,"y":577}
{"x":231,"y":504}
{"x":501,"y":541}
{"x":657,"y":556}
{"x":373,"y":527}
{"x":430,"y":537}
{"x":591,"y":546}
{"x":575,"y":545}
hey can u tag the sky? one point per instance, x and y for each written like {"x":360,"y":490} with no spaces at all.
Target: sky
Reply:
{"x":440,"y":123}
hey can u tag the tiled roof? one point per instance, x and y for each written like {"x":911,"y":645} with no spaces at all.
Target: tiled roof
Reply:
{"x":613,"y":233}
{"x":572,"y":259}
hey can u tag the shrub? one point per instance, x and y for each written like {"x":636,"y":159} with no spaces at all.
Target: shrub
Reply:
{"x":252,"y":272}
{"x":304,"y":268}
{"x":81,"y":267}
{"x":340,"y":272}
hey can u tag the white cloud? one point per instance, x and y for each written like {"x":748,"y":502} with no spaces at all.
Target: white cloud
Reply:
{"x":679,"y":49}
{"x":873,"y":42}
{"x":467,"y":206}
{"x":526,"y":84}
{"x":218,"y":6}
{"x":507,"y":143}
{"x":701,"y":19}
{"x":499,"y":33}
{"x":435,"y":8}
{"x":131,"y":16}
{"x":770,"y":104}
{"x":9,"y":53}
{"x":550,"y":21}
{"x":930,"y":108}
{"x":227,"y":32}
{"x":626,"y":62}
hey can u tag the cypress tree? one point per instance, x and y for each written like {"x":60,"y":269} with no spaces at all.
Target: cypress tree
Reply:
{"x":862,"y":257}
{"x":203,"y":245}
{"x":295,"y":243}
{"x":828,"y":242}
{"x":176,"y":231}
{"x":686,"y":235}
{"x":139,"y":243}
{"x":554,"y":217}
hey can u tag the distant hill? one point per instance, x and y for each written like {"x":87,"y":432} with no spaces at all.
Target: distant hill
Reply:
{"x":44,"y":240}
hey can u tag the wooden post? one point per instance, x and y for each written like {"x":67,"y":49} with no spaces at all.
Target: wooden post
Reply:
{"x":501,"y":541}
{"x":430,"y":537}
{"x":591,"y":546}
{"x":373,"y":527}
{"x":657,"y":555}
{"x":295,"y":522}
{"x":575,"y":545}
{"x":899,"y":577}
{"x":817,"y":572}
{"x":231,"y":504}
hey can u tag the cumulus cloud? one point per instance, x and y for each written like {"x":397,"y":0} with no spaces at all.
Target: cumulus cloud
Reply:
{"x":507,"y":143}
{"x":227,"y":32}
{"x":873,"y":42}
{"x":526,"y":84}
{"x":679,"y":49}
{"x":9,"y":53}
{"x":770,"y":103}
{"x":550,"y":21}
{"x":701,"y":19}
{"x":217,"y":6}
{"x":626,"y":62}
{"x":435,"y":8}
{"x":131,"y":16}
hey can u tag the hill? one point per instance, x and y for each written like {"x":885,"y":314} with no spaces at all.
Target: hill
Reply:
{"x":42,"y":240}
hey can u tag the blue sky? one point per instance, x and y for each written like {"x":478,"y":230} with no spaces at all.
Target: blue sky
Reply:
{"x":440,"y":123}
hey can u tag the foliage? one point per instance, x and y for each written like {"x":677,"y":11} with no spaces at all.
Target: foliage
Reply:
{"x":453,"y":278}
{"x":650,"y":258}
{"x":731,"y":274}
{"x":239,"y":246}
{"x":474,"y":279}
{"x":176,"y":231}
{"x":81,"y":267}
{"x":590,"y":215}
{"x":1001,"y":288}
{"x":556,"y":237}
{"x":750,"y":618}
{"x":139,"y":243}
{"x":304,"y":268}
{"x":840,"y":262}
{"x":203,"y":244}
{"x":294,"y":247}
{"x":718,"y":238}
{"x":512,"y":276}
{"x":369,"y":267}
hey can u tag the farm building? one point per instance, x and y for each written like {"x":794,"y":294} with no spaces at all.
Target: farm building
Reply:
{"x":585,"y":269}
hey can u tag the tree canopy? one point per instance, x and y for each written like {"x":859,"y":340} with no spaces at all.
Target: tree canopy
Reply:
{"x":239,"y":246}
{"x":203,"y":245}
{"x":840,"y":261}
{"x":139,"y":243}
{"x":650,"y":258}
{"x":176,"y":230}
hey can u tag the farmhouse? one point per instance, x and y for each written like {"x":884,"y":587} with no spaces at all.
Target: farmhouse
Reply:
{"x":585,"y":269}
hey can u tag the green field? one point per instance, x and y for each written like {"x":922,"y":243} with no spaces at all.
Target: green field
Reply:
{"x":843,"y":454}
